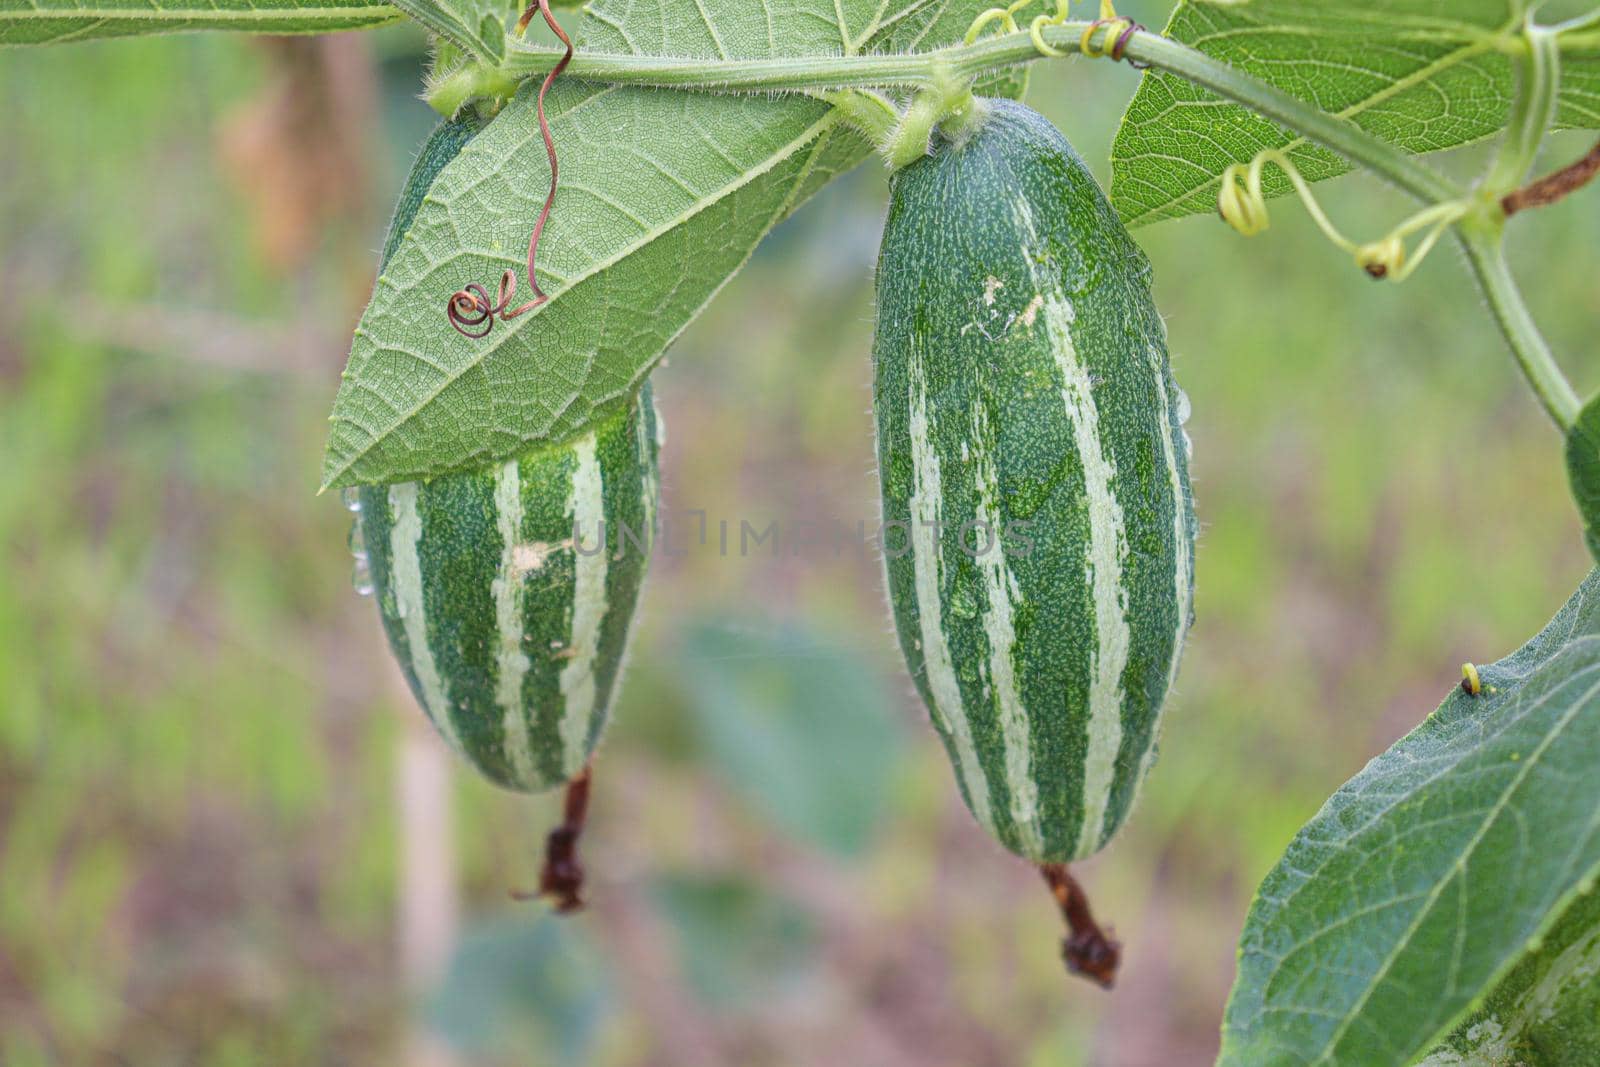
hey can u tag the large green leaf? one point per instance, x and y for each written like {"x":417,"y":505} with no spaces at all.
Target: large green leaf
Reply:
{"x":1427,"y":876}
{"x":738,"y":944}
{"x":1583,"y":469}
{"x":1424,"y":75}
{"x":59,"y":21}
{"x":664,"y":195}
{"x":522,"y":982}
{"x":798,"y":727}
{"x":1546,"y":1013}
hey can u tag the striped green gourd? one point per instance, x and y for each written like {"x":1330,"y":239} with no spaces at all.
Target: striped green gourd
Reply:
{"x":1032,"y":456}
{"x":507,"y":593}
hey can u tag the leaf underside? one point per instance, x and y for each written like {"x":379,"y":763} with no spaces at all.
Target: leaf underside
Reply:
{"x":1424,"y":75}
{"x":1427,"y":876}
{"x":664,"y":195}
{"x":61,"y":21}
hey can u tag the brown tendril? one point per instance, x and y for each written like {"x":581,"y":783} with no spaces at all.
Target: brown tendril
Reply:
{"x":1119,"y":47}
{"x":1086,"y":950}
{"x":469,"y":308}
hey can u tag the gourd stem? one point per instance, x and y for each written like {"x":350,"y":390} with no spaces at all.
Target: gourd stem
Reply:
{"x":1086,"y":949}
{"x":562,"y":877}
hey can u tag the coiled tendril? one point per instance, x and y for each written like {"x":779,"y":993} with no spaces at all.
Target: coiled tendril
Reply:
{"x":1109,"y":45}
{"x":1119,"y":44}
{"x":470,"y":308}
{"x":1243,"y":205}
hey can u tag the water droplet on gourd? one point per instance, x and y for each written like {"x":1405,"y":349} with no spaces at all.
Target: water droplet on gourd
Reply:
{"x":351,"y":497}
{"x":1188,"y":446}
{"x":1183,"y":407}
{"x":361,"y":578}
{"x":357,"y":541}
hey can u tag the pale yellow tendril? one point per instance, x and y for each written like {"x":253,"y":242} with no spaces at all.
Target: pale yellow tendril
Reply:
{"x":1243,"y":205}
{"x":1006,"y":16}
{"x":1037,"y":26}
{"x":1111,"y":42}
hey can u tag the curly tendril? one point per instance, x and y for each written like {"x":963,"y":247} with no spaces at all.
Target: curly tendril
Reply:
{"x":1243,"y":205}
{"x":1109,"y":19}
{"x":1113,"y":43}
{"x":1006,"y":16}
{"x":469,"y":308}
{"x":1037,"y":26}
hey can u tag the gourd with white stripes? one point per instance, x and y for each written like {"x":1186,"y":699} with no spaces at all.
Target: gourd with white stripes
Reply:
{"x":507,"y":593}
{"x":1039,"y":527}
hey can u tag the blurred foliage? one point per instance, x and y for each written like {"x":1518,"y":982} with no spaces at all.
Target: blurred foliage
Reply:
{"x":520,"y":991}
{"x":198,"y":832}
{"x":737,"y":942}
{"x":777,"y":713}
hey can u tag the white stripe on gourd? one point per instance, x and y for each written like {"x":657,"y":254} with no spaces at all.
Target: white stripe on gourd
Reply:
{"x":406,"y":562}
{"x":1000,"y":594}
{"x":1108,"y":546}
{"x":927,"y":561}
{"x":513,"y":661}
{"x":586,"y":506}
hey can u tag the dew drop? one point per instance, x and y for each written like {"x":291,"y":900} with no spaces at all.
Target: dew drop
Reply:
{"x":351,"y":497}
{"x":357,"y":541}
{"x":1188,"y":446}
{"x":1183,"y":407}
{"x":361,"y":577}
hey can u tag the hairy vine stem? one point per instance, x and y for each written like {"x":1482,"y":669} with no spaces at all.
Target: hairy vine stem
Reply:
{"x":1486,"y":256}
{"x":1479,"y":230}
{"x":920,"y":70}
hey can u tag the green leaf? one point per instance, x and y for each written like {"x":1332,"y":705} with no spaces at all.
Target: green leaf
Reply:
{"x":799,"y":728}
{"x":1424,"y":75}
{"x":1426,"y":877}
{"x":664,"y":196}
{"x":59,"y":21}
{"x":737,"y":943}
{"x":1583,"y":468}
{"x":1546,"y":1012}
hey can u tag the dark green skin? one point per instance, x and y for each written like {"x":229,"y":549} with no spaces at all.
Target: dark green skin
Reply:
{"x":443,"y":144}
{"x":957,"y":276}
{"x":461,"y":559}
{"x":461,"y":556}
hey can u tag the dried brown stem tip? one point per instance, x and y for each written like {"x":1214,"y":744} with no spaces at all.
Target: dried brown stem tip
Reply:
{"x":562,"y":877}
{"x":1087,"y":949}
{"x":1554,"y":187}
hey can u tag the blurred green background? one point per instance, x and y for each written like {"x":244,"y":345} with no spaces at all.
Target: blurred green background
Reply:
{"x":225,"y":839}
